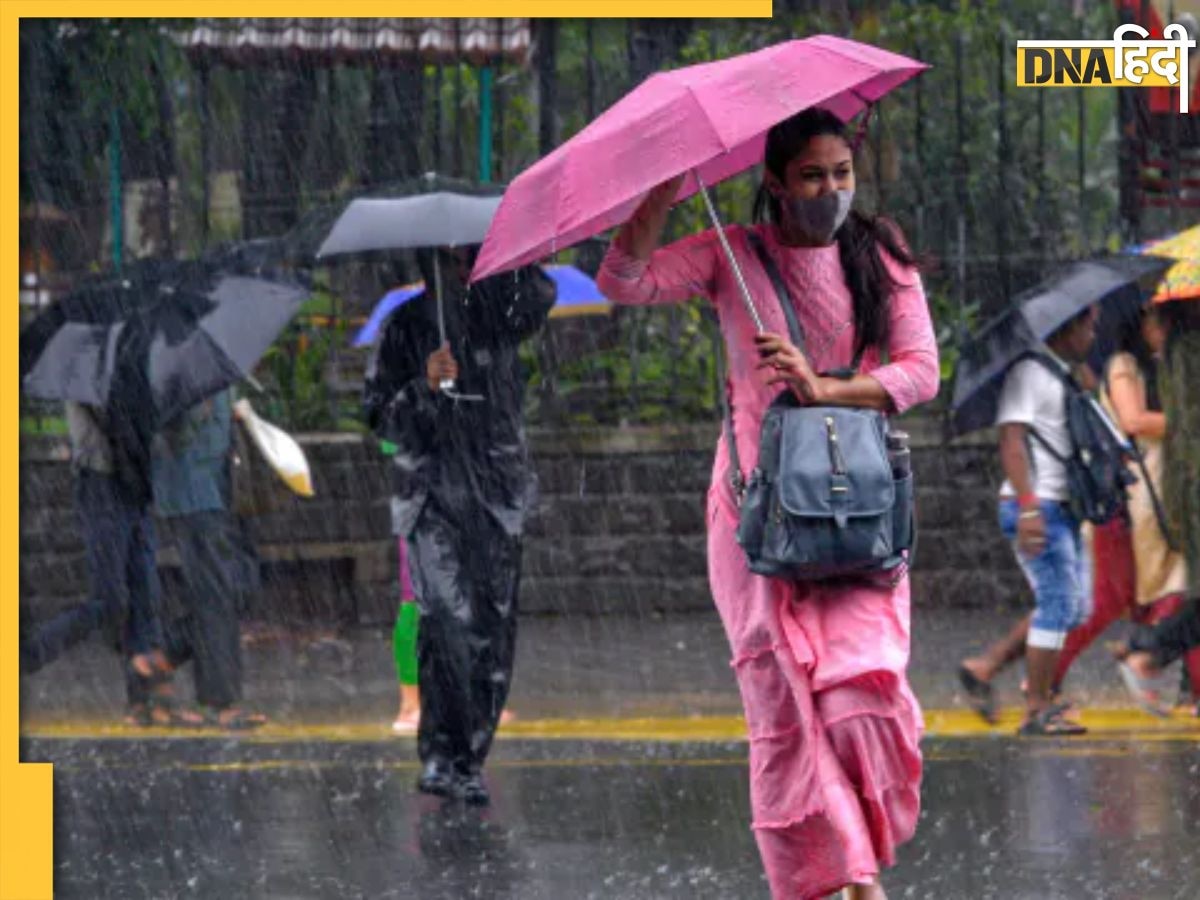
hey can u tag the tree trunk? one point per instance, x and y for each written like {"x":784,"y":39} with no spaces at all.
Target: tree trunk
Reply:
{"x":397,"y":110}
{"x":547,"y":80}
{"x":205,"y":152}
{"x":164,"y":154}
{"x":652,"y":44}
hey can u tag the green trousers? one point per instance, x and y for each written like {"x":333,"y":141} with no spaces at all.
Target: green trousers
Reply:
{"x":404,"y":641}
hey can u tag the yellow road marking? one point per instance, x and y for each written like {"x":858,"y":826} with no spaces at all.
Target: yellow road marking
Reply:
{"x":1104,"y":724}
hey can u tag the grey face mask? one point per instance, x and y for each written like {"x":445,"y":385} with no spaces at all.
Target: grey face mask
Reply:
{"x":818,"y":218}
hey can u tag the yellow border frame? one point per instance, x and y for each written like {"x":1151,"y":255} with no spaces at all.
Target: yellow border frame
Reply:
{"x":26,"y":791}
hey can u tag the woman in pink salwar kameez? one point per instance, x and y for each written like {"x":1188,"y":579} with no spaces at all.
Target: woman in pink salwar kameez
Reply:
{"x":834,"y":728}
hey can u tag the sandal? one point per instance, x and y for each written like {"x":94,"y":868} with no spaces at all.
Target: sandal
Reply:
{"x":1050,"y":723}
{"x":980,"y":694}
{"x":165,"y":711}
{"x":162,"y":711}
{"x":1058,"y":704}
{"x":1145,"y":692}
{"x":407,"y":723}
{"x":232,"y":718}
{"x":138,"y":715}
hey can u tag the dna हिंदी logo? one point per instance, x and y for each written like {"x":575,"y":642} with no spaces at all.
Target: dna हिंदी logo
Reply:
{"x":1130,"y":59}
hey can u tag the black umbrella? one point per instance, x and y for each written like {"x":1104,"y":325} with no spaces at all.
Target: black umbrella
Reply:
{"x":195,"y":332}
{"x":1033,"y":316}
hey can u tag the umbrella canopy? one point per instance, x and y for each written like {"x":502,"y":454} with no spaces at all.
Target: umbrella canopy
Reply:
{"x":1035,"y":315}
{"x":708,"y":120}
{"x":309,"y":238}
{"x":1182,"y":280}
{"x":390,"y":302}
{"x":198,"y":339}
{"x":427,"y":212}
{"x":426,"y":220}
{"x":577,"y":296}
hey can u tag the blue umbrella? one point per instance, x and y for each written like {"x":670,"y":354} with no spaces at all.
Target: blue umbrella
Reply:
{"x":577,"y":296}
{"x":391,"y":301}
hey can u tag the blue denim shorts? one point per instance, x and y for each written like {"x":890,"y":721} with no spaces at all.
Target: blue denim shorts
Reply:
{"x":1060,"y":576}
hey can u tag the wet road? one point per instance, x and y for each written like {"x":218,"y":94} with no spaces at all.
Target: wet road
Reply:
{"x":229,"y":818}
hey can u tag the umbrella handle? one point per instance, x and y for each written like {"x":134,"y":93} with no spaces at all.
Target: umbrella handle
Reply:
{"x":447,"y":388}
{"x":737,"y":269}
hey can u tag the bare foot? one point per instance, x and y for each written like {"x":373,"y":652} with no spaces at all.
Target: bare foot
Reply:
{"x":149,"y":665}
{"x":979,"y":668}
{"x":507,"y":716}
{"x":1142,"y":665}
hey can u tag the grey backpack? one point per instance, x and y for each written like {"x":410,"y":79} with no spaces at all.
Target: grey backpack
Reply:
{"x":826,"y":501}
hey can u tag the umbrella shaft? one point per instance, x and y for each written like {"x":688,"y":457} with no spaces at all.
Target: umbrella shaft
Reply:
{"x":737,"y":269}
{"x":441,"y":310}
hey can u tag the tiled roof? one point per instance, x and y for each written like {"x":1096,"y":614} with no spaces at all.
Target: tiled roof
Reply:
{"x":251,"y":42}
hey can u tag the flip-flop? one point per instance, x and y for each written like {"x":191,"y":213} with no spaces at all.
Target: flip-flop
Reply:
{"x":138,"y":715}
{"x":1143,"y":691}
{"x":980,"y":695}
{"x":405,"y":726}
{"x":234,"y":720}
{"x":1050,"y":723}
{"x":1057,"y":702}
{"x":165,"y":711}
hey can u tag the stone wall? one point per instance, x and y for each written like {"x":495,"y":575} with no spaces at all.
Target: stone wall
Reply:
{"x":619,"y":529}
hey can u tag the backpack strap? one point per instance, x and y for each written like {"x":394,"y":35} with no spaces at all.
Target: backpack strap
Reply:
{"x":784,"y":296}
{"x":1155,"y":501}
{"x":1069,"y":381}
{"x":737,"y":478}
{"x":1053,"y":368}
{"x":1045,"y":444}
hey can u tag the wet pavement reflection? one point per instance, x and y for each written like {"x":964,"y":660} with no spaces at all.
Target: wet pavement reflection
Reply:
{"x":189,"y":817}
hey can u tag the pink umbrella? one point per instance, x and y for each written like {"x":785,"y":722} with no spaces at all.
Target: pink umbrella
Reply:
{"x":709,"y":121}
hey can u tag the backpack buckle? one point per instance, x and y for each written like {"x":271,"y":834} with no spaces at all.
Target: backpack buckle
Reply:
{"x":738,"y":482}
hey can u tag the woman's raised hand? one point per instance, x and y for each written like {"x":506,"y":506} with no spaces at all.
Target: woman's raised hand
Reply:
{"x":789,"y":365}
{"x":639,"y":236}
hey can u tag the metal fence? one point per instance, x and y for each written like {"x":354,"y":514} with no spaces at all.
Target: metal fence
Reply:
{"x":993,"y":185}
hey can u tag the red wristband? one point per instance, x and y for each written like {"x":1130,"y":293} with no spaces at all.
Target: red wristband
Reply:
{"x":1025,"y":500}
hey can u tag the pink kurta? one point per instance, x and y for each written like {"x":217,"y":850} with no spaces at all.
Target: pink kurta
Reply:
{"x":835,"y":766}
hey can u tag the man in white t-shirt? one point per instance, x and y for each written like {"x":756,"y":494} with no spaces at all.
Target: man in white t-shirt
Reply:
{"x":1035,"y":516}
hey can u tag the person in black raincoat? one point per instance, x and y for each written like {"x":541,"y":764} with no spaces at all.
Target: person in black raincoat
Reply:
{"x":463,"y":486}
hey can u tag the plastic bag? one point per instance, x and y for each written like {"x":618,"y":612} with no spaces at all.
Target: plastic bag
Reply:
{"x":261,"y":446}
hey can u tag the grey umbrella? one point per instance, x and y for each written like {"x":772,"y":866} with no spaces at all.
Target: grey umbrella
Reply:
{"x":441,"y":218}
{"x":197,"y":341}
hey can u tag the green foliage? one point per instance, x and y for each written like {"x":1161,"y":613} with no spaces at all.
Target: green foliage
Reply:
{"x":55,"y":426}
{"x":661,"y":369}
{"x":294,"y":373}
